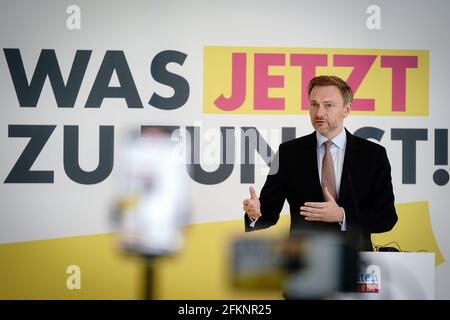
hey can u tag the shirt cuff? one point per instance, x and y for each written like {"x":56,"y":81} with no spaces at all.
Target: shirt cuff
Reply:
{"x":253,"y":221}
{"x":344,"y":222}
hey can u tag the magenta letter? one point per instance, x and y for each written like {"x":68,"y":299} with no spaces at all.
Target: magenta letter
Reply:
{"x":399,"y":65}
{"x":361,"y":65}
{"x":263,"y":81}
{"x":308,"y":62}
{"x":238,"y":82}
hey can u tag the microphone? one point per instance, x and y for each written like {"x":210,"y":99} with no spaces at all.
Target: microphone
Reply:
{"x":358,"y":215}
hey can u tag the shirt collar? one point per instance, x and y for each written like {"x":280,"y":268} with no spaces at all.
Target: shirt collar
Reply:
{"x":340,"y":140}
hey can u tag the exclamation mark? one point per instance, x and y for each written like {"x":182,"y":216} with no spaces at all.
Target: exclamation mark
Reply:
{"x":440,"y":176}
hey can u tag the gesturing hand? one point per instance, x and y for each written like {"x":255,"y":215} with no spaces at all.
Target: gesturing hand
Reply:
{"x":328,"y":211}
{"x":252,"y":206}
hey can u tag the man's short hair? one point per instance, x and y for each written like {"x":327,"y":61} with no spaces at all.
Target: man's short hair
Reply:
{"x":344,"y":88}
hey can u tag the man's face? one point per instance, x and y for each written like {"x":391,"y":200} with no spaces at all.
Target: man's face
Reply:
{"x":327,"y":110}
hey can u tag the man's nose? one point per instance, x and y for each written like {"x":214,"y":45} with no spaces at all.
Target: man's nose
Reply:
{"x":320,"y":111}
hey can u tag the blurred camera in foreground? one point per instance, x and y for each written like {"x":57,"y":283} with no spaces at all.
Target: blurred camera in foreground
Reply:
{"x":308,"y":265}
{"x":152,"y":204}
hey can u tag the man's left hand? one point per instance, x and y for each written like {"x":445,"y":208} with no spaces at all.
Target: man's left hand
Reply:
{"x":327,"y":211}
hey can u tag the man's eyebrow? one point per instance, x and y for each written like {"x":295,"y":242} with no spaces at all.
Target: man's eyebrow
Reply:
{"x":326,"y":101}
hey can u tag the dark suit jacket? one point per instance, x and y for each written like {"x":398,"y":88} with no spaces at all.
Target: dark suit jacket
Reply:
{"x":366,"y":170}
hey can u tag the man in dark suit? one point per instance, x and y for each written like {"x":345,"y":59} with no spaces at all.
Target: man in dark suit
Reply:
{"x":331,"y":179}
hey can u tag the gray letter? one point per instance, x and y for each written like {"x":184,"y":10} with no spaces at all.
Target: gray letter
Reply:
{"x":225,"y":169}
{"x":106,"y":156}
{"x":47,"y":65}
{"x":21,"y":172}
{"x":409,"y":138}
{"x":369,"y":133}
{"x":178,"y":83}
{"x":252,"y":141}
{"x":114,"y":60}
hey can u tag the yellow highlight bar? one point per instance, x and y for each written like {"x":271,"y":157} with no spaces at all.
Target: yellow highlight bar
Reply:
{"x":253,"y":80}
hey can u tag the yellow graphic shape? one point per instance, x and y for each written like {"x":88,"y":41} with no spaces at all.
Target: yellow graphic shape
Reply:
{"x":202,"y":270}
{"x":37,"y":269}
{"x":413,"y":231}
{"x":377,"y":84}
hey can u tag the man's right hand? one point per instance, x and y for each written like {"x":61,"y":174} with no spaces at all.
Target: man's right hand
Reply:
{"x":252,"y":206}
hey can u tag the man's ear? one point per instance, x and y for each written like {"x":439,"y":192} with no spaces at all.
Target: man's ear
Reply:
{"x":347,"y":109}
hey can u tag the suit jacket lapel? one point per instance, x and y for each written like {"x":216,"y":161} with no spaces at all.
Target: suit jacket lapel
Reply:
{"x":350,"y":151}
{"x":312,"y":161}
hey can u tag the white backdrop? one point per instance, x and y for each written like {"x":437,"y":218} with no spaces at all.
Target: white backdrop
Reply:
{"x":142,"y":29}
